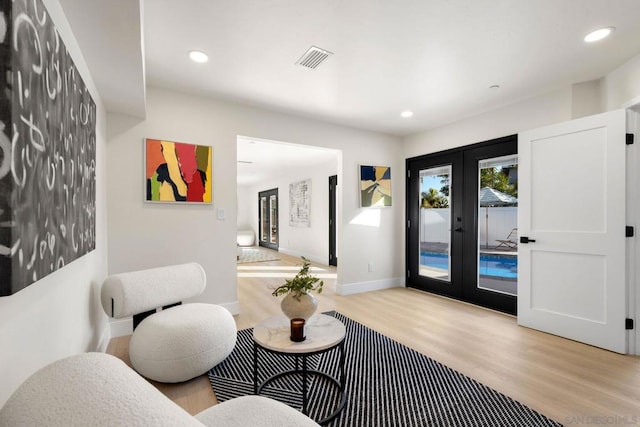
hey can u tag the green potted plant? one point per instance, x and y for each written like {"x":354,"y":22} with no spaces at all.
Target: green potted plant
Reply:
{"x":298,"y":302}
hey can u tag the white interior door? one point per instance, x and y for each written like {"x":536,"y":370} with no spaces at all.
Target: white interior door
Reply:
{"x":571,"y":276}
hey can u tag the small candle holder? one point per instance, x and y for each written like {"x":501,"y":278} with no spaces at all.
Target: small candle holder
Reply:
{"x":297,"y":330}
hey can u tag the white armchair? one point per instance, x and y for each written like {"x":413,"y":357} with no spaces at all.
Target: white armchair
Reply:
{"x":176,"y":343}
{"x":93,"y":389}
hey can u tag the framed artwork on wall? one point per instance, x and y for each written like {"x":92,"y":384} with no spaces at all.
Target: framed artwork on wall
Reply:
{"x":300,"y":204}
{"x":47,"y":150}
{"x":375,"y":186}
{"x":177,"y":172}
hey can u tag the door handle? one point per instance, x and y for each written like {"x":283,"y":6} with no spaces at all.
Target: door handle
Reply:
{"x":525,"y":239}
{"x":459,"y":229}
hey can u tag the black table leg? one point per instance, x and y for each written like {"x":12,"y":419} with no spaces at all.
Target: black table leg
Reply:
{"x":255,"y":368}
{"x":304,"y":386}
{"x":339,"y":381}
{"x":343,"y":374}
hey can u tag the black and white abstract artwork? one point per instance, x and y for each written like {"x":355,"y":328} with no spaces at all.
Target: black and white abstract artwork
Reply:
{"x":300,"y":204}
{"x":47,"y":150}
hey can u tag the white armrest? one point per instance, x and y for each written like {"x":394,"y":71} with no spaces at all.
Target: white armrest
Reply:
{"x":254,"y":411}
{"x":87,"y":390}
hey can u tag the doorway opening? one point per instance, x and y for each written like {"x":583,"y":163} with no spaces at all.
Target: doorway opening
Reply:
{"x":289,"y":181}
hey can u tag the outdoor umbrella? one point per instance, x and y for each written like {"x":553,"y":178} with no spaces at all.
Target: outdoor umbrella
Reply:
{"x":491,"y":197}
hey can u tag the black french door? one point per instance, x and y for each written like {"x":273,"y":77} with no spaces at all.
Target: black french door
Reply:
{"x":458,"y":211}
{"x":333,"y":225}
{"x":268,"y":218}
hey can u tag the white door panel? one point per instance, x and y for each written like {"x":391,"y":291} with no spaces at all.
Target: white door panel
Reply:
{"x":572,"y":204}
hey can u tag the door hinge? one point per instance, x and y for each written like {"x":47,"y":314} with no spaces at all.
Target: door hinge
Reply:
{"x":628,"y":324}
{"x":408,"y":273}
{"x":408,"y":223}
{"x":408,"y":173}
{"x":629,"y":139}
{"x":628,"y":232}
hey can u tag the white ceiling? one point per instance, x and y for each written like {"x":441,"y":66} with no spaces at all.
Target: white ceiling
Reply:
{"x":109,"y":34}
{"x":260,"y":159}
{"x":434,"y":57}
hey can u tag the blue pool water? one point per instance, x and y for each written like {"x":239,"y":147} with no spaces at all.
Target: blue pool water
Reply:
{"x":504,"y":267}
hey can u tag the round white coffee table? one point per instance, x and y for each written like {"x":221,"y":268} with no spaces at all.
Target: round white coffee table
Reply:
{"x":323,"y":333}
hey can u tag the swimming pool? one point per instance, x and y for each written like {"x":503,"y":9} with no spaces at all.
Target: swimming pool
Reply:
{"x":499,"y":266}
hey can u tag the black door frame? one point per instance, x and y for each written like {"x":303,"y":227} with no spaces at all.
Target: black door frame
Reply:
{"x":333,"y":183}
{"x":453,"y":287}
{"x":464,"y":217}
{"x":268,"y":194}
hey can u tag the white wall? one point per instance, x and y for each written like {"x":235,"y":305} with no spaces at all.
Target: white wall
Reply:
{"x":60,"y":314}
{"x":586,"y":99}
{"x":549,"y":108}
{"x":311,"y":242}
{"x":618,"y":89}
{"x":245,"y":214}
{"x":621,"y":87}
{"x":145,"y":235}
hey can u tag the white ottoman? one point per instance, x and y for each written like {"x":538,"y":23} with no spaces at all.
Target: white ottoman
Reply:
{"x":245,"y":238}
{"x":182,"y":342}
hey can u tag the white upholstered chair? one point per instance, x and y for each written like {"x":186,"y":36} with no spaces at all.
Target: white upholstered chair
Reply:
{"x":170,"y":343}
{"x":95,"y":389}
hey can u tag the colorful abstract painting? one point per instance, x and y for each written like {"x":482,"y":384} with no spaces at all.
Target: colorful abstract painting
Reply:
{"x":375,"y":186}
{"x":47,"y":150}
{"x":178,"y":172}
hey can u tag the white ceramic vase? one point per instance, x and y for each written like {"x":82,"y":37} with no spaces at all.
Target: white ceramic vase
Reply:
{"x":302,"y":308}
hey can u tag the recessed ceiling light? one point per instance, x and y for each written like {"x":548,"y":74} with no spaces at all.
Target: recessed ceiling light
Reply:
{"x":406,"y":114}
{"x":599,"y":34}
{"x":198,"y":56}
{"x":494,"y":87}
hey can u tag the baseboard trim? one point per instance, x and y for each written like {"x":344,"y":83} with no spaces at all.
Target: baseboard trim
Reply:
{"x":105,"y":337}
{"x":373,"y":285}
{"x":121,"y":327}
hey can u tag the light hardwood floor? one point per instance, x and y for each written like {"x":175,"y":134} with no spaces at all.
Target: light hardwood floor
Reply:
{"x":572,"y":383}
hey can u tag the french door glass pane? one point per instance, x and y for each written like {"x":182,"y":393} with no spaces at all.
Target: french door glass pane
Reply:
{"x":435,"y":223}
{"x":273,"y":218}
{"x":497,"y":224}
{"x":264,"y":226}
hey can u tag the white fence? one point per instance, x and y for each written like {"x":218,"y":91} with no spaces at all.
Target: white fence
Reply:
{"x":435,"y":224}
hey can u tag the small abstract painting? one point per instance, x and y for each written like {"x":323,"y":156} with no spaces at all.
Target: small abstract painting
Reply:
{"x":375,"y":186}
{"x":47,"y":150}
{"x":300,"y":203}
{"x":178,"y":172}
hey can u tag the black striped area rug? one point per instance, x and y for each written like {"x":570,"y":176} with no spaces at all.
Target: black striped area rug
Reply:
{"x":388,"y":384}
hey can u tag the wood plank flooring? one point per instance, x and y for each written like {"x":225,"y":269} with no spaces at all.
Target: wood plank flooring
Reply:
{"x":572,"y":383}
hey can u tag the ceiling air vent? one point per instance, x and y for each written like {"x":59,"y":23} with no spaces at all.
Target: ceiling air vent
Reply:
{"x":313,"y":57}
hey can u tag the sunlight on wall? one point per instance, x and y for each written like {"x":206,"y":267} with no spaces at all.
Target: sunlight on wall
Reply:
{"x":368,"y":217}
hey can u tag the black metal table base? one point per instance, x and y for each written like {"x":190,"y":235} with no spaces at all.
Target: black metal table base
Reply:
{"x":305,"y":373}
